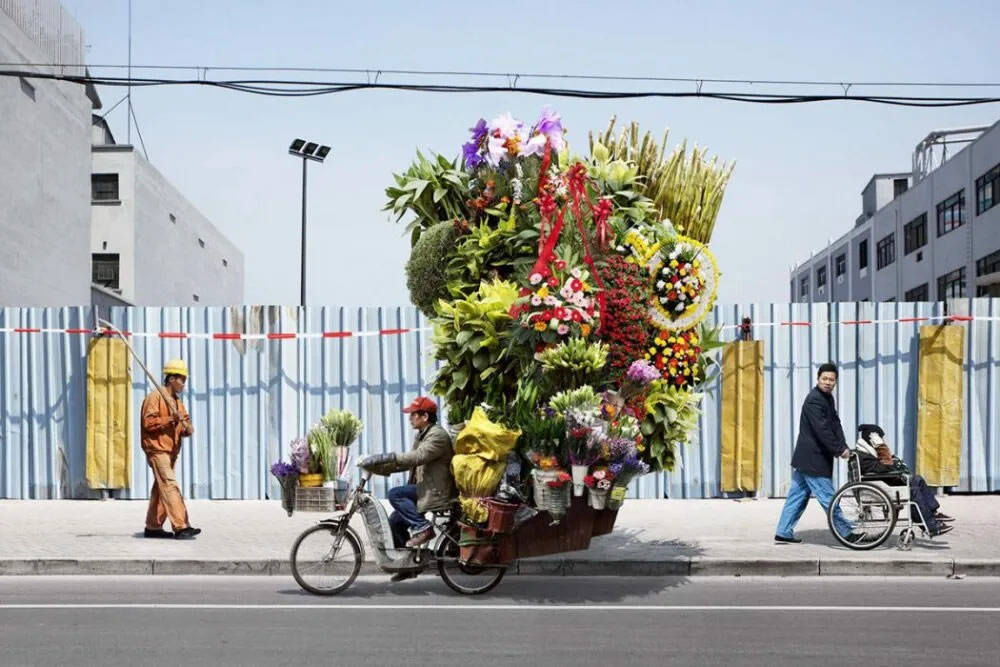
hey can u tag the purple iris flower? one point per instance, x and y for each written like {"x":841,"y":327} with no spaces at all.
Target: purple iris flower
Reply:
{"x":471,"y":150}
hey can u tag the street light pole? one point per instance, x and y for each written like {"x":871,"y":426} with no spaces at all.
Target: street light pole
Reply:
{"x":302,"y":285}
{"x":307,"y":151}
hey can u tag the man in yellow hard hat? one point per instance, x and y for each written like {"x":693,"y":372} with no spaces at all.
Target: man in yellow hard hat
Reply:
{"x":165,"y":421}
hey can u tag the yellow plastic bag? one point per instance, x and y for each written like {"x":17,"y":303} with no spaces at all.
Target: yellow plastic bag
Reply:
{"x":481,"y":450}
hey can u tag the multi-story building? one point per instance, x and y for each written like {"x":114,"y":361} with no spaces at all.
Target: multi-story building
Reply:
{"x":149,"y":244}
{"x":44,"y":159}
{"x":930,"y":234}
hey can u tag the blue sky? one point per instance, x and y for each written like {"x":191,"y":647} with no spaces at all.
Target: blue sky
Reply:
{"x":799,"y":173}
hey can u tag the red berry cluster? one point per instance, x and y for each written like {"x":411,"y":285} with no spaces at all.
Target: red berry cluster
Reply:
{"x":624,"y":324}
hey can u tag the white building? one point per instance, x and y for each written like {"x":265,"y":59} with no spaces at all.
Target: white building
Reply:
{"x":149,"y":244}
{"x":44,"y":160}
{"x":926,"y":235}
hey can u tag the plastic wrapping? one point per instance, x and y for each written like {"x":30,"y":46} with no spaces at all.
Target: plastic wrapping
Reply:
{"x":742,"y":425}
{"x":939,"y":404}
{"x":481,"y":455}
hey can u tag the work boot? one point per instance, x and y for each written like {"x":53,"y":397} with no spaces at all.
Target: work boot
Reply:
{"x":156,"y":532}
{"x":402,"y":576}
{"x":421,"y":538}
{"x":186,"y":534}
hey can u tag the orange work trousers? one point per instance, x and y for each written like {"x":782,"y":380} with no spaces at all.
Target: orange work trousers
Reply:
{"x":165,"y":500}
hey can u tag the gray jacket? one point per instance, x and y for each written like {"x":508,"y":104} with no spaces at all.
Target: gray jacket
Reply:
{"x":431,"y":456}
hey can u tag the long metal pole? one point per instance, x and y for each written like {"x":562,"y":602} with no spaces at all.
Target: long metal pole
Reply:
{"x":303,"y":279}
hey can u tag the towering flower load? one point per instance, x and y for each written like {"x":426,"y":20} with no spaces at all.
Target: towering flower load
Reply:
{"x":569,"y":295}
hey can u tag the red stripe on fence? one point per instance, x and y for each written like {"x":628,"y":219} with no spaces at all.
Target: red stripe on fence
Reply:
{"x":337,"y":334}
{"x":79,"y":331}
{"x":172,"y":334}
{"x":796,"y":324}
{"x":961,"y":318}
{"x":913,"y":319}
{"x":227,"y":336}
{"x":26,"y":330}
{"x":391,"y":332}
{"x":856,"y":322}
{"x":281,"y":336}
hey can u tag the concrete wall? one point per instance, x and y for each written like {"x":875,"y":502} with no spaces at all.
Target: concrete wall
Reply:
{"x":181,"y":257}
{"x":985,"y":155}
{"x":111,"y":229}
{"x":841,"y":291}
{"x":44,"y":184}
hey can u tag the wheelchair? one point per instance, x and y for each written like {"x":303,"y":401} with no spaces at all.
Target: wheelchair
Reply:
{"x":874,"y":505}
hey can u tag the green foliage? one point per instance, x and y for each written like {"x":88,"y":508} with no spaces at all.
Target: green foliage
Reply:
{"x":709,"y":340}
{"x":574,"y":363}
{"x":432,"y":190}
{"x":582,"y":398}
{"x":671,"y":417}
{"x":425,"y":272}
{"x":471,"y":339}
{"x":543,"y":435}
{"x":488,"y":253}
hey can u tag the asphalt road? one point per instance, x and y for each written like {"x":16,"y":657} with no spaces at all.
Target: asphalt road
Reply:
{"x":112,"y":621}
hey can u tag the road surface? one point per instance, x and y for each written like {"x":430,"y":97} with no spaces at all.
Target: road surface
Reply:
{"x":171,"y":621}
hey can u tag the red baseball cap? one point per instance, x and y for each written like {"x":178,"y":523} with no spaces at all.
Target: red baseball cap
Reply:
{"x":421,"y":404}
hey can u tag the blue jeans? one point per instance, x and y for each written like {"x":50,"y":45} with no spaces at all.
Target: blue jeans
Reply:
{"x":406,"y":521}
{"x":798,"y":497}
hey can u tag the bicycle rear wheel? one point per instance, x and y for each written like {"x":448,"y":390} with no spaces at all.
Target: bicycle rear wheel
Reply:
{"x":464,"y":579}
{"x":323,"y":566}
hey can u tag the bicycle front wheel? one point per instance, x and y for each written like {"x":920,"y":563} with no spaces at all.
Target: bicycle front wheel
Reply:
{"x":326,"y":560}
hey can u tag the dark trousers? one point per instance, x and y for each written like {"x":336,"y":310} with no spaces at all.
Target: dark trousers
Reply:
{"x":925,"y":500}
{"x":406,"y":520}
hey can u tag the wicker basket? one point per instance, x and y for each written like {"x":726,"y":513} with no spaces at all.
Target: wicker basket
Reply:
{"x":319,"y":498}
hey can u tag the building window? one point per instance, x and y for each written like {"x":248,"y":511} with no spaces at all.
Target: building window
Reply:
{"x":918,"y":293}
{"x":840,"y":265}
{"x":951,"y":213}
{"x":27,"y":88}
{"x":899,"y":186}
{"x":173,"y":218}
{"x":915,"y":234}
{"x":952,"y":285}
{"x":196,"y":298}
{"x":821,"y":277}
{"x":104,"y":270}
{"x":225,"y":262}
{"x":863,"y":255}
{"x":104,"y":187}
{"x":984,"y":267}
{"x":201,"y":242}
{"x":885,"y":251}
{"x":804,"y":287}
{"x":987,"y":190}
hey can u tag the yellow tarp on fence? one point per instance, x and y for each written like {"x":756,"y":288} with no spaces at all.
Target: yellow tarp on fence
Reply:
{"x":109,"y":412}
{"x":742,"y":455}
{"x":939,"y":404}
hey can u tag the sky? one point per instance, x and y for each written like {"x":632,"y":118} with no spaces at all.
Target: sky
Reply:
{"x":799,"y":169}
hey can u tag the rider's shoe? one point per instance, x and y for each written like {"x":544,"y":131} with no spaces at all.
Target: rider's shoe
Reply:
{"x":402,"y":576}
{"x":421,"y":538}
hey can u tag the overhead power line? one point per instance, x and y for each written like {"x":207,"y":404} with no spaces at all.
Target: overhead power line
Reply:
{"x":285,"y":88}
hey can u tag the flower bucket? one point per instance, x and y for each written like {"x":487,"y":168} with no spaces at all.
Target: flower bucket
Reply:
{"x":555,"y":501}
{"x":598,"y":498}
{"x":501,"y":516}
{"x":478,"y":547}
{"x":288,"y":485}
{"x":616,"y":497}
{"x":579,"y":472}
{"x":311,"y":479}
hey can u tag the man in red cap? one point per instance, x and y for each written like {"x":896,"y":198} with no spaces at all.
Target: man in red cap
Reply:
{"x":431,"y":485}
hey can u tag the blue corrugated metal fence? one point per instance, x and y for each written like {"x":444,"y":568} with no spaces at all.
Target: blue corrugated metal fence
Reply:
{"x":248,"y":400}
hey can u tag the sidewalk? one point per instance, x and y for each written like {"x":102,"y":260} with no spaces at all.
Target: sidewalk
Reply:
{"x":651,"y":537}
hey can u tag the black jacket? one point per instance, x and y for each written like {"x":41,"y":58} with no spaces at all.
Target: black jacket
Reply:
{"x":821,"y":437}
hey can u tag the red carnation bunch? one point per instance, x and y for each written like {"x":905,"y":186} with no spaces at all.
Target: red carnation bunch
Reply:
{"x":625,"y":322}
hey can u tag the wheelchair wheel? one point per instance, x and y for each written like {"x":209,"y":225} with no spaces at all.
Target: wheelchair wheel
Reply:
{"x":869,"y":510}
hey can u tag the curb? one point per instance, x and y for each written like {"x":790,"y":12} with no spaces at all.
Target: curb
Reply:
{"x":568,"y":567}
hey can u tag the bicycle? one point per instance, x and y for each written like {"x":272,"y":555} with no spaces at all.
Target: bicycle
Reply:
{"x":337,"y":538}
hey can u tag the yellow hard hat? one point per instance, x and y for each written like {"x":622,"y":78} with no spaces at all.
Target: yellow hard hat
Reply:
{"x":175,"y":367}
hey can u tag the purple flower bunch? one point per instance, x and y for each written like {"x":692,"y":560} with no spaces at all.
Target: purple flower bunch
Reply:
{"x":642,"y":373}
{"x":621,"y":449}
{"x":299,"y":453}
{"x":281,"y":469}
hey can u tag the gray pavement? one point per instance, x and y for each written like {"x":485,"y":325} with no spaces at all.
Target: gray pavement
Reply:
{"x":651,"y":537}
{"x":116,"y":621}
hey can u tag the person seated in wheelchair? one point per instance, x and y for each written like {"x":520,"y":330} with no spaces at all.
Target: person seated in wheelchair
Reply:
{"x":431,"y":486}
{"x":874,"y":458}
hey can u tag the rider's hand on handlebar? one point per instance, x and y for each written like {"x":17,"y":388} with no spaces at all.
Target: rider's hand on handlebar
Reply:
{"x":378,"y":459}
